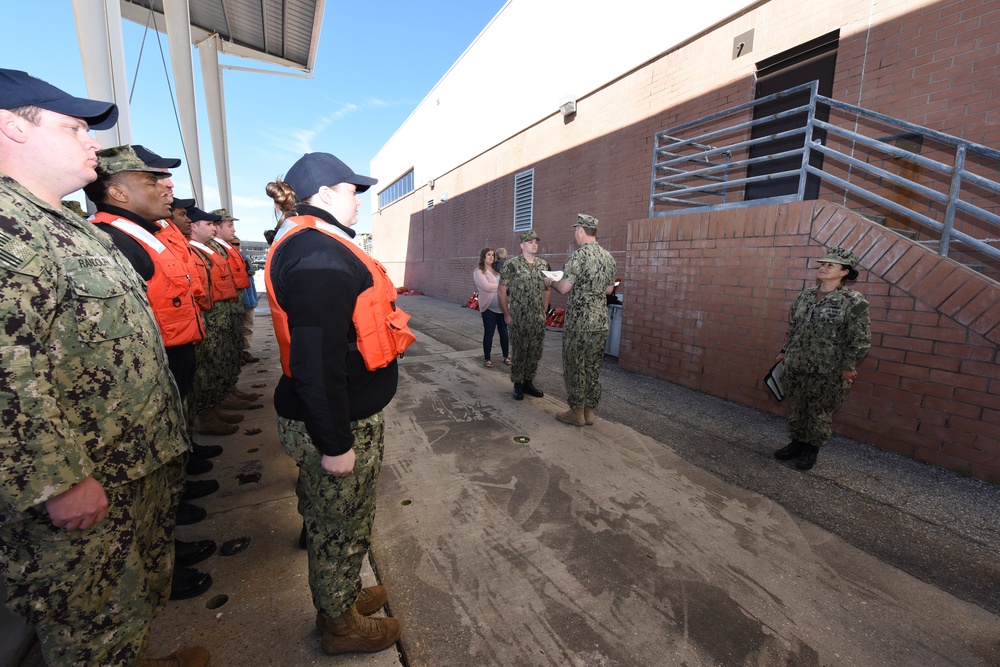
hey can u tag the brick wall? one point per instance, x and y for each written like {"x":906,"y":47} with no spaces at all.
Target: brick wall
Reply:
{"x":708,"y":304}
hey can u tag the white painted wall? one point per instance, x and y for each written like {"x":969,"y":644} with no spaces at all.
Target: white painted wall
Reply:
{"x":533,"y":56}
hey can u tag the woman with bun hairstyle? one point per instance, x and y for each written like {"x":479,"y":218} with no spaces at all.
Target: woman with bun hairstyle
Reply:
{"x":333,"y":389}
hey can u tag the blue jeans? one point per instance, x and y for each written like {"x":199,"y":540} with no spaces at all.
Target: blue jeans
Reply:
{"x":493,"y":321}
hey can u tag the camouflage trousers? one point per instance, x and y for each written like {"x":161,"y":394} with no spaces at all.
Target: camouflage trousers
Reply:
{"x":338,"y":511}
{"x":217,"y":357}
{"x":527,"y":335}
{"x":92,"y":594}
{"x":583,"y":352}
{"x":813,"y":398}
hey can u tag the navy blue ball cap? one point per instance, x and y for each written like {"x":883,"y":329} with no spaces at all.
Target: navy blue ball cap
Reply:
{"x":315,"y":170}
{"x":153,"y":160}
{"x":183,"y":203}
{"x":20,"y":89}
{"x":198,"y":215}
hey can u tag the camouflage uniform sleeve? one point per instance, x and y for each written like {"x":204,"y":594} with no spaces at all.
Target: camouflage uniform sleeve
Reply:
{"x":506,"y":273}
{"x":857,"y":332}
{"x":571,"y":268}
{"x":39,"y":455}
{"x":793,"y":321}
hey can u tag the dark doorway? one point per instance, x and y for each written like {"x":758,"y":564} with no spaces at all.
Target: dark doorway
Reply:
{"x":812,"y":61}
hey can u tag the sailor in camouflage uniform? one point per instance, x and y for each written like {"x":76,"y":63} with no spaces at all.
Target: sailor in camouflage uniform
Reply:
{"x":524,"y":298}
{"x":589,"y":276}
{"x":829,"y":333}
{"x":90,"y":419}
{"x":230,"y":359}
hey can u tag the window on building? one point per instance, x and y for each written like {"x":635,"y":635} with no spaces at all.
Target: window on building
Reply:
{"x":524,"y":199}
{"x":401,"y":186}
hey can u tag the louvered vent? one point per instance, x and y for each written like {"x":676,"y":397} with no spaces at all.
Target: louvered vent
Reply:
{"x":524,"y":199}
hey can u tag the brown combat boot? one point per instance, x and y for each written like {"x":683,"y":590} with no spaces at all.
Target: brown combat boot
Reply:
{"x":209,"y":424}
{"x":195,"y":656}
{"x":572,"y":416}
{"x":351,"y":632}
{"x":370,"y":600}
{"x":246,"y":396}
{"x":590,"y":416}
{"x":225,"y":417}
{"x":230,"y":402}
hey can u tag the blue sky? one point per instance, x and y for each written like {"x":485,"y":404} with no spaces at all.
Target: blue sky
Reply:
{"x":376,"y":61}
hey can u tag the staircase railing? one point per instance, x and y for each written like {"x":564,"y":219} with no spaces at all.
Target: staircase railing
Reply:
{"x":935,"y":187}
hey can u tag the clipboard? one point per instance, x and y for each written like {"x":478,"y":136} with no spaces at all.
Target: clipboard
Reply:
{"x":773,"y":380}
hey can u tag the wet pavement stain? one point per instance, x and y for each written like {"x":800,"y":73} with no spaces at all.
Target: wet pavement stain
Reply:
{"x":248,"y":478}
{"x":234,"y":546}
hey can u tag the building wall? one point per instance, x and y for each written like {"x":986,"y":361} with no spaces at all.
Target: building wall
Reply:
{"x":708,"y":309}
{"x":932,"y":63}
{"x":533,"y":56}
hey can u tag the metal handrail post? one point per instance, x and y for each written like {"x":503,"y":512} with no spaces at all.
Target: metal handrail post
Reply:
{"x":807,"y":139}
{"x":953,"y":193}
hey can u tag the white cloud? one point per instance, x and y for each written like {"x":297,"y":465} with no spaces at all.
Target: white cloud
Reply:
{"x":300,"y":141}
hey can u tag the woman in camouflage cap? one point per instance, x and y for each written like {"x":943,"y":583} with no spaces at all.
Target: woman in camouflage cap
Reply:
{"x":829,"y":333}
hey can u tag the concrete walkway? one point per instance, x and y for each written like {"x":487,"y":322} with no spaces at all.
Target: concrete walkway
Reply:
{"x":664,"y":535}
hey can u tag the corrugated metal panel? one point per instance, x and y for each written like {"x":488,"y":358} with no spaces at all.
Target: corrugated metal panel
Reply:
{"x":281,"y":29}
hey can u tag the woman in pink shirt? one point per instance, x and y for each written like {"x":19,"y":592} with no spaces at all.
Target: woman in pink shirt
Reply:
{"x":487,"y":279}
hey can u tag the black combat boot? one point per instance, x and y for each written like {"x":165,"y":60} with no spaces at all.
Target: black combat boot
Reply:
{"x":807,"y":459}
{"x":531,"y":390}
{"x":790,"y":451}
{"x":517,"y":393}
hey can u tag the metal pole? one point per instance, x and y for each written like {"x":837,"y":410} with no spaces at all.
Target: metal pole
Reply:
{"x":953,"y":194}
{"x":102,"y":50}
{"x":215,"y":100}
{"x":178,"y":18}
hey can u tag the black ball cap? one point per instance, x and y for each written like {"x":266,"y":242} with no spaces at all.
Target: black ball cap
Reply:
{"x":153,"y":160}
{"x":20,"y":89}
{"x":315,"y":170}
{"x":198,"y":215}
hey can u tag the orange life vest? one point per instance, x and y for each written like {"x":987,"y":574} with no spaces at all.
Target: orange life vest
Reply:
{"x":383,"y":332}
{"x":197,"y":269}
{"x":220,"y":275}
{"x":237,"y":264}
{"x":201,"y":274}
{"x":170,"y":291}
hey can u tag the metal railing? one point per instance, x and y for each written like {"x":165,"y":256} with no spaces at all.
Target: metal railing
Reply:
{"x":713,"y":162}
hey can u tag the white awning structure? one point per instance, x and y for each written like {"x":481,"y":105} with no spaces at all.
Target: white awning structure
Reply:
{"x":282,"y":33}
